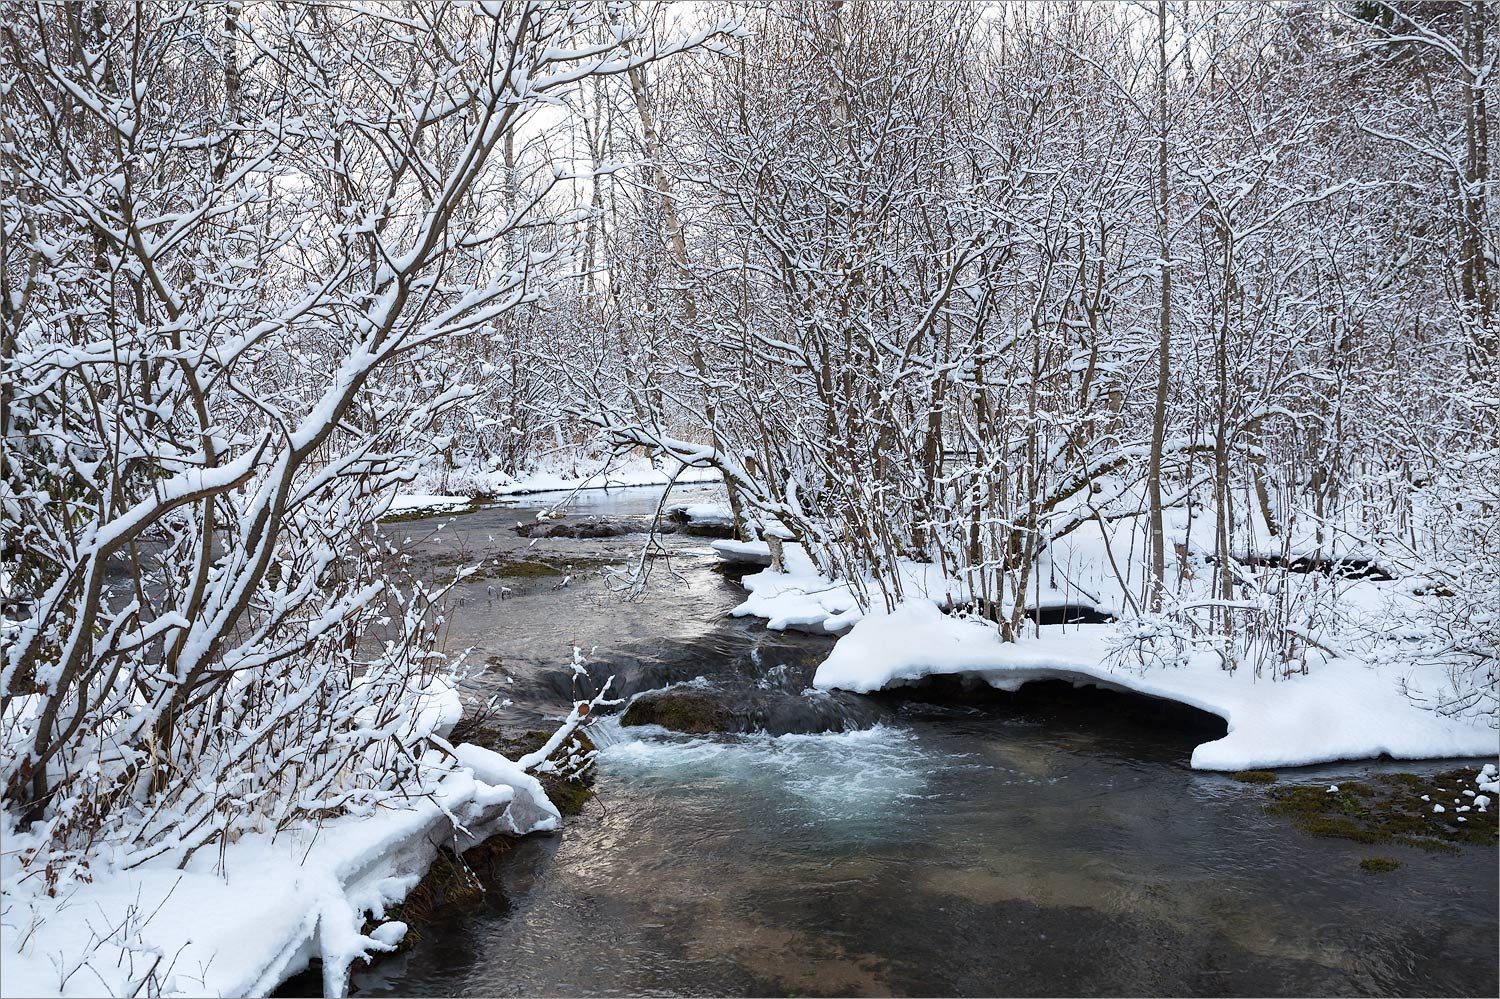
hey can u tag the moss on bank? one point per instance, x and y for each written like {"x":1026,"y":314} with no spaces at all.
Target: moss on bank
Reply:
{"x":1397,"y":808}
{"x":1254,"y":776}
{"x":453,"y":883}
{"x":568,"y":793}
{"x":1379,"y":865}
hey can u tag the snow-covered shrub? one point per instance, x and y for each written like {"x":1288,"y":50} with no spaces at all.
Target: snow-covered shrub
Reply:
{"x":1456,"y":623}
{"x":1280,"y":623}
{"x":234,"y":253}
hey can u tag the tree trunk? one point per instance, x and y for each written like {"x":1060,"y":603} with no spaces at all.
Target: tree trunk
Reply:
{"x":1164,"y":347}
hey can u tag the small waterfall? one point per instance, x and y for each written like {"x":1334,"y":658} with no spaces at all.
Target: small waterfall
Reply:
{"x":606,"y":731}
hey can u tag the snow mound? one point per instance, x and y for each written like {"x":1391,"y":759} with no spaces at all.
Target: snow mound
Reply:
{"x":799,"y":599}
{"x":743,"y":552}
{"x":1341,"y":710}
{"x":706,"y":514}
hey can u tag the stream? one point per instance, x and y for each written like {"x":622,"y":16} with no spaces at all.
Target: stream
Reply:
{"x":1050,"y":845}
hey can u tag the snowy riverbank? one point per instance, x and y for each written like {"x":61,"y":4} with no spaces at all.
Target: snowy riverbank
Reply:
{"x":1340,"y":710}
{"x":240,"y":920}
{"x":1347,"y":705}
{"x":442,"y":490}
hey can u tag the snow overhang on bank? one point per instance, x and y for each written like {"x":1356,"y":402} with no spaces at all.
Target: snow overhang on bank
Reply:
{"x":1341,"y":710}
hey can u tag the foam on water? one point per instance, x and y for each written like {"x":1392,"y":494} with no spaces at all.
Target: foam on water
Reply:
{"x":831,"y":778}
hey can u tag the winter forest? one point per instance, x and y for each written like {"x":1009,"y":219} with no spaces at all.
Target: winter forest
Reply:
{"x":957,"y":371}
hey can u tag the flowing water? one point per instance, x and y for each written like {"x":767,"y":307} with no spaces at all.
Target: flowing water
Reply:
{"x":1057,"y":845}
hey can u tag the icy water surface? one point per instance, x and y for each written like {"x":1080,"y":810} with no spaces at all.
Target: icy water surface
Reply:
{"x":1055,"y":848}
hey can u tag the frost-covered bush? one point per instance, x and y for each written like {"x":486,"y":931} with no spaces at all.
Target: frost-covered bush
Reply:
{"x":1280,"y":623}
{"x":1457,"y":623}
{"x":237,"y":239}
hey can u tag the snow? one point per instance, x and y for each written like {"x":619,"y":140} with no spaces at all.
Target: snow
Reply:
{"x":719,"y":515}
{"x":751,"y":552}
{"x":799,"y":599}
{"x":242,"y":921}
{"x":1342,"y":708}
{"x":636,"y":473}
{"x":427,"y":501}
{"x":707,"y":514}
{"x":389,"y":934}
{"x":560,"y":476}
{"x":447,"y":491}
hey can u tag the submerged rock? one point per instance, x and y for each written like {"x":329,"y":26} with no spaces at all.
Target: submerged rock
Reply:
{"x":739,"y":653}
{"x":680,"y":712}
{"x":754,"y":707}
{"x":588,"y":527}
{"x":1379,"y":865}
{"x":614,"y":527}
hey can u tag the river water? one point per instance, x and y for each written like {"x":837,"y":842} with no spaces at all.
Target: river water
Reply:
{"x":1054,"y":846}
